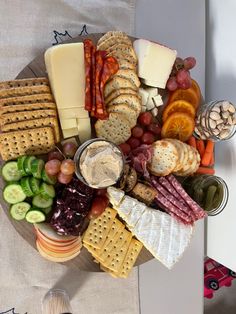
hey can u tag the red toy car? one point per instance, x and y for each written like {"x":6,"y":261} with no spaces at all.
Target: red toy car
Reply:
{"x":216,"y":276}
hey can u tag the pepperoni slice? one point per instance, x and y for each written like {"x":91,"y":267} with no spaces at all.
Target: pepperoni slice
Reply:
{"x":100,"y":112}
{"x":88,"y":47}
{"x":93,"y":80}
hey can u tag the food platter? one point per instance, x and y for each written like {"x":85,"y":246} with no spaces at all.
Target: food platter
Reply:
{"x":84,"y":261}
{"x":109,"y":153}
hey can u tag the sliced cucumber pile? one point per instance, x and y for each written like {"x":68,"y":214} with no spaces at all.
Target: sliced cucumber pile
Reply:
{"x":29,"y":189}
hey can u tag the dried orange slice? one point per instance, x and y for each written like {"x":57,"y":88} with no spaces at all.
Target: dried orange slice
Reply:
{"x":178,"y":125}
{"x":185,"y":94}
{"x":196,"y":88}
{"x":178,"y":106}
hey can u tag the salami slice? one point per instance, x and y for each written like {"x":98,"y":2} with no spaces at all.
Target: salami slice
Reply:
{"x":170,"y":204}
{"x":88,"y":45}
{"x":100,"y":112}
{"x":198,"y":211}
{"x":93,"y":80}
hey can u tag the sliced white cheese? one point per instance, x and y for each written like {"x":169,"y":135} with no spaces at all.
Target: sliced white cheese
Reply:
{"x":68,"y":123}
{"x":135,"y":214}
{"x":115,"y":196}
{"x":72,"y":113}
{"x":144,"y":96}
{"x":84,"y":129}
{"x":155,"y":62}
{"x":70,"y":132}
{"x":157,"y":100}
{"x":126,"y":206}
{"x":65,"y":67}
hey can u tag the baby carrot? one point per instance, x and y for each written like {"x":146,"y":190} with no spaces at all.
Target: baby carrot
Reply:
{"x":192,"y":141}
{"x":205,"y":170}
{"x":209,"y":151}
{"x":212,"y":162}
{"x":200,"y":147}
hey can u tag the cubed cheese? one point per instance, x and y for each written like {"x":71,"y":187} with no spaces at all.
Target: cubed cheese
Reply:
{"x":65,"y":67}
{"x":68,"y":123}
{"x":152,"y":91}
{"x":72,"y":113}
{"x":70,"y":132}
{"x":155,"y":62}
{"x":150,"y":103}
{"x":84,"y":129}
{"x":144,"y":96}
{"x":158,"y":100}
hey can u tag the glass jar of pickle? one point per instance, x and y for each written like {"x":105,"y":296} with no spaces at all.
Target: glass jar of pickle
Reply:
{"x":216,"y":120}
{"x":210,"y":192}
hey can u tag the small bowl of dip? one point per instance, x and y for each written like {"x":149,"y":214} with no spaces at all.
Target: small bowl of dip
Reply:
{"x":99,"y":163}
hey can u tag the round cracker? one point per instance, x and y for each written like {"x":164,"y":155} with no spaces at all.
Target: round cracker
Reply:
{"x":115,"y":129}
{"x":180,"y":150}
{"x":112,"y":41}
{"x":125,"y":109}
{"x":132,"y":100}
{"x":110,"y":34}
{"x":165,"y":158}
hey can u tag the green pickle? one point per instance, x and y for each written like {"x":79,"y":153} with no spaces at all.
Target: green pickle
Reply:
{"x":210,"y":194}
{"x":198,"y":196}
{"x":218,"y":196}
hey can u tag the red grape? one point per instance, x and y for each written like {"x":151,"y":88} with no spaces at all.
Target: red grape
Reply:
{"x":145,"y":118}
{"x":125,"y":148}
{"x":63,"y":178}
{"x":55,"y":155}
{"x":101,"y":192}
{"x":52,"y":167}
{"x":172,"y":84}
{"x":133,"y":142}
{"x":99,"y":204}
{"x":182,"y":76}
{"x":69,"y":149}
{"x":189,"y":63}
{"x":148,"y":138}
{"x":154,"y":128}
{"x":68,"y":167}
{"x":137,"y":131}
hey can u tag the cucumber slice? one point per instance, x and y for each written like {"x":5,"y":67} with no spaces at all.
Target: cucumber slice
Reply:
{"x":25,"y":184}
{"x":48,"y":179}
{"x":13,"y":194}
{"x":35,"y":185}
{"x":47,"y":190}
{"x":46,"y":210}
{"x":42,"y":202}
{"x":35,"y":216}
{"x":20,"y":165}
{"x":19,"y":210}
{"x":37,"y":166}
{"x":10,"y":171}
{"x":27,"y":164}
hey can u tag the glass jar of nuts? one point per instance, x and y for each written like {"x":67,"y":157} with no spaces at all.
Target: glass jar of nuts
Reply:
{"x":216,"y":120}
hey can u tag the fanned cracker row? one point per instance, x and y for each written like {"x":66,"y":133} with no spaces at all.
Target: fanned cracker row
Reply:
{"x":27,"y":107}
{"x":22,"y":91}
{"x":30,"y":142}
{"x":24,"y":83}
{"x":28,"y":99}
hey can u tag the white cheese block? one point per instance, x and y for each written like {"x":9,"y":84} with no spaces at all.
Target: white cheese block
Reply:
{"x":150,"y":103}
{"x":144,"y":96}
{"x":84,"y":129}
{"x":135,"y":214}
{"x":155,"y":62}
{"x":157,"y":100}
{"x":65,"y":67}
{"x":70,"y":132}
{"x":152,"y":91}
{"x":72,"y":113}
{"x":115,"y":196}
{"x":126,"y":206}
{"x":68,"y":123}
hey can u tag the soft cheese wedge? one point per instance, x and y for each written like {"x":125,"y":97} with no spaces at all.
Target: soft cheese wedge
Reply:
{"x":155,"y":62}
{"x":66,"y":72}
{"x":164,"y":236}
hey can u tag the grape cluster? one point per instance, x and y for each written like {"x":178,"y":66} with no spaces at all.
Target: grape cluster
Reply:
{"x":180,"y":75}
{"x":60,"y":164}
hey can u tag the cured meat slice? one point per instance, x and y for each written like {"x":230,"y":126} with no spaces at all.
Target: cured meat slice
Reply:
{"x":88,"y":50}
{"x":198,"y":211}
{"x":93,"y":88}
{"x":100,"y":111}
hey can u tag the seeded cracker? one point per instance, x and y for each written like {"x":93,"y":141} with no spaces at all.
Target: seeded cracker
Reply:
{"x":28,"y":99}
{"x":27,"y":107}
{"x":127,"y":111}
{"x":24,"y":83}
{"x":23,"y":91}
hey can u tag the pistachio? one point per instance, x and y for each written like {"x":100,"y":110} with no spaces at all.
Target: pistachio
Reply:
{"x":225,"y":105}
{"x":216,"y":109}
{"x":212,"y":124}
{"x":203,"y":122}
{"x":220,"y":126}
{"x":224,"y":133}
{"x":230,"y":120}
{"x":234,"y":121}
{"x":215,"y":115}
{"x":231,"y":109}
{"x":220,"y":121}
{"x":225,"y":115}
{"x":216,"y":132}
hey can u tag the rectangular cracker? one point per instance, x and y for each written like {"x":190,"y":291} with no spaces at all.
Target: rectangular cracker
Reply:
{"x":27,"y":107}
{"x":24,"y":82}
{"x":28,"y":99}
{"x":117,"y":256}
{"x":26,"y":115}
{"x":34,"y":123}
{"x":109,"y":271}
{"x":31,"y":142}
{"x":23,"y":91}
{"x":135,"y":248}
{"x":99,"y":228}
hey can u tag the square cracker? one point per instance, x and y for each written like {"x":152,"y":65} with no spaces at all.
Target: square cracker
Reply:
{"x":34,"y":123}
{"x":28,"y":99}
{"x":26,"y":115}
{"x":33,"y":141}
{"x":98,"y":229}
{"x":23,"y":91}
{"x":36,"y":81}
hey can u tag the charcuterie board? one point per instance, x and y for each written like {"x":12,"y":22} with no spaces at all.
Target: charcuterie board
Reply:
{"x":84,"y":261}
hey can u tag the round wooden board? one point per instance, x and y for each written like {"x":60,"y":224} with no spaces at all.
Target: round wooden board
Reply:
{"x":84,"y":261}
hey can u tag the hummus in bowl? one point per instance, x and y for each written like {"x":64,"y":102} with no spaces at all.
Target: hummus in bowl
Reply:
{"x":99,"y":163}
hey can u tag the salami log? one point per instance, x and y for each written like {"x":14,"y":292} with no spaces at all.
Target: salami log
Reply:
{"x":170,"y":213}
{"x":100,"y":112}
{"x":93,"y":80}
{"x":198,"y":211}
{"x":88,"y":50}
